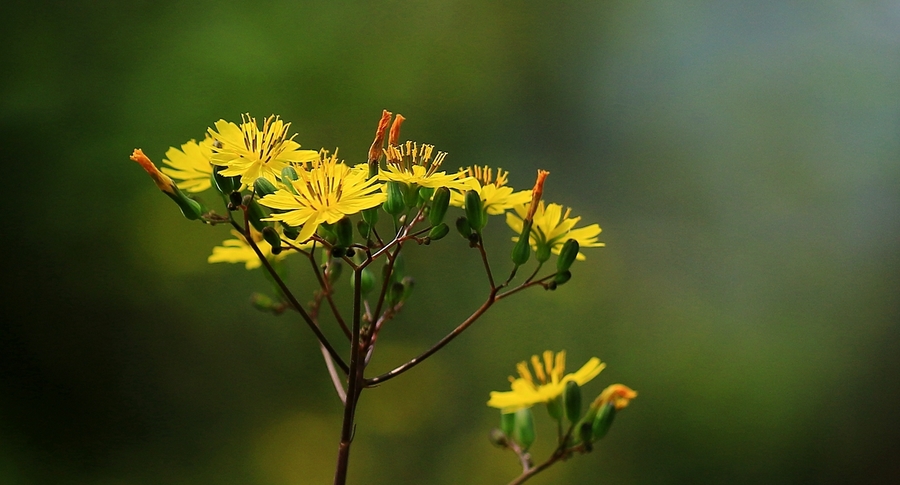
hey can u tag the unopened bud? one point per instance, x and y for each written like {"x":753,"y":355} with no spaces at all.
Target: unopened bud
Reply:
{"x":224,"y":184}
{"x":190,"y":208}
{"x":439,"y":204}
{"x":411,"y":195}
{"x":271,"y":236}
{"x":256,"y":214}
{"x":263,"y":187}
{"x":235,"y":199}
{"x":335,"y":268}
{"x":367,"y":281}
{"x":370,"y":216}
{"x":555,"y":408}
{"x":475,"y":211}
{"x":573,"y":401}
{"x":289,"y":173}
{"x":524,"y":430}
{"x":603,"y":421}
{"x":562,"y":278}
{"x":262,"y":302}
{"x":438,"y":232}
{"x":425,"y":194}
{"x":344,"y":232}
{"x":364,"y":229}
{"x":498,"y":438}
{"x":542,"y":253}
{"x":585,"y":433}
{"x":507,"y":423}
{"x":462,"y":225}
{"x":395,"y":204}
{"x":567,"y":255}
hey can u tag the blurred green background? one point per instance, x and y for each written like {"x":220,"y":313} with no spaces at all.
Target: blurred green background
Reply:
{"x":741,"y":157}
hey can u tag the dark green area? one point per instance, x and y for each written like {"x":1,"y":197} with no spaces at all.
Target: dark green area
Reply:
{"x":743,"y":160}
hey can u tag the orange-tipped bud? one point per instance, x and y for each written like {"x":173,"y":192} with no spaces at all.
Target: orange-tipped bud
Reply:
{"x":619,"y":395}
{"x":160,"y":179}
{"x":378,"y":144}
{"x":536,"y":193}
{"x":394,"y":137}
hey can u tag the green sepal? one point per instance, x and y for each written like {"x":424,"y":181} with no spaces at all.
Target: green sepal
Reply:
{"x":524,"y":430}
{"x":567,"y":255}
{"x":364,"y":229}
{"x":408,"y":284}
{"x":224,"y":184}
{"x":263,"y":187}
{"x":326,"y":232}
{"x":370,"y":216}
{"x":584,"y":433}
{"x":573,"y":401}
{"x":271,"y":236}
{"x":522,"y":250}
{"x":439,"y":205}
{"x":562,"y":278}
{"x":288,"y":173}
{"x":475,"y":211}
{"x":395,"y":205}
{"x":290,"y":232}
{"x":343,"y":229}
{"x":425,"y":194}
{"x":256,"y":214}
{"x":462,"y":225}
{"x":542,"y":254}
{"x":507,"y":423}
{"x":190,"y":208}
{"x":603,"y":421}
{"x":438,"y":232}
{"x":411,"y":195}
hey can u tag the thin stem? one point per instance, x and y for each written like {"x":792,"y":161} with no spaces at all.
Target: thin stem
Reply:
{"x":440,"y":344}
{"x":326,"y":290}
{"x":354,"y":387}
{"x":527,"y":284}
{"x":555,"y":457}
{"x":335,"y":378}
{"x":248,"y":236}
{"x":487,"y":265}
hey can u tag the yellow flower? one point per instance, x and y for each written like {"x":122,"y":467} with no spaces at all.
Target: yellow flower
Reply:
{"x":496,"y":196}
{"x":411,"y":163}
{"x":237,"y":250}
{"x":553,"y":228}
{"x":324,"y":193}
{"x":190,"y":165}
{"x":617,"y":394}
{"x":549,"y":384}
{"x":251,"y":153}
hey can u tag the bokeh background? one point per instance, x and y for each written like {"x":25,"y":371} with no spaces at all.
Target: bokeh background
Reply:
{"x":741,"y":157}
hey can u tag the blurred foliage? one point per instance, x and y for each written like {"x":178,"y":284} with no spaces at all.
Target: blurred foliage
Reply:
{"x":742,"y":159}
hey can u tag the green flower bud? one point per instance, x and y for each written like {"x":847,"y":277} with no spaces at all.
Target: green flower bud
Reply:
{"x":395,"y":294}
{"x":543,"y":252}
{"x":263,"y":187}
{"x":370,"y":216}
{"x":573,"y":401}
{"x":425,"y":194}
{"x":562,"y":278}
{"x":334,"y":270}
{"x":408,"y":284}
{"x":554,"y":408}
{"x":367,"y":281}
{"x":290,"y":232}
{"x":271,"y":236}
{"x":462,"y":225}
{"x":439,"y":205}
{"x":288,"y":173}
{"x":603,"y":421}
{"x":256,"y":214}
{"x":524,"y":430}
{"x":343,"y":229}
{"x":234,"y":200}
{"x":522,"y":250}
{"x":507,"y":423}
{"x":364,"y":229}
{"x":585,"y":433}
{"x":498,"y":438}
{"x":475,"y":211}
{"x":438,"y":231}
{"x":395,"y":205}
{"x":326,"y":232}
{"x":190,"y":208}
{"x":567,"y":255}
{"x":225,"y":185}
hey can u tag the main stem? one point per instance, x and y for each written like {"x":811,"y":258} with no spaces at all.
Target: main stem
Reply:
{"x":354,"y":385}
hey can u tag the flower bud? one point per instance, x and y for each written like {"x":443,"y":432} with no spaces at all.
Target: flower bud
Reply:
{"x":224,"y":184}
{"x":335,"y":268}
{"x":498,"y":438}
{"x":524,"y":429}
{"x":425,"y":194}
{"x":408,"y":284}
{"x":256,"y":214}
{"x":475,"y":211}
{"x":190,"y":208}
{"x":290,"y":232}
{"x":562,"y":278}
{"x":395,"y":204}
{"x":554,"y":408}
{"x":585,"y":434}
{"x":364,"y":229}
{"x":542,"y":254}
{"x":370,"y":216}
{"x":603,"y":421}
{"x":263,"y":187}
{"x":271,"y":236}
{"x":573,"y":401}
{"x":344,"y":232}
{"x":438,"y":232}
{"x":289,"y":173}
{"x":522,"y":250}
{"x":235,"y":199}
{"x":439,"y":204}
{"x":567,"y":255}
{"x":462,"y":225}
{"x":262,"y":302}
{"x":507,"y":423}
{"x":367,"y":281}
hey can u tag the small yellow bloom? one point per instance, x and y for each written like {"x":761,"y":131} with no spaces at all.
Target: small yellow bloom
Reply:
{"x":553,"y":228}
{"x":549,"y":384}
{"x":617,"y":394}
{"x":325,"y":193}
{"x":496,"y":196}
{"x":190,"y":165}
{"x":237,"y":250}
{"x":250,"y":153}
{"x":411,"y":163}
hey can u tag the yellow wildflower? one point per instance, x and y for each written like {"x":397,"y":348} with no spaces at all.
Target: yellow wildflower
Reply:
{"x":237,"y":250}
{"x":411,"y":163}
{"x":190,"y":165}
{"x":251,"y":153}
{"x":325,"y":193}
{"x":553,"y":228}
{"x":496,"y":196}
{"x":549,"y":384}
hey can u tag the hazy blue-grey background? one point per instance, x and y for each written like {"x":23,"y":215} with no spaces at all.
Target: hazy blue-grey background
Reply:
{"x":741,"y":157}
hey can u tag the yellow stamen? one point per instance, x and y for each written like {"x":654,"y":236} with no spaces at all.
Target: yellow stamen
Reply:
{"x":538,"y":369}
